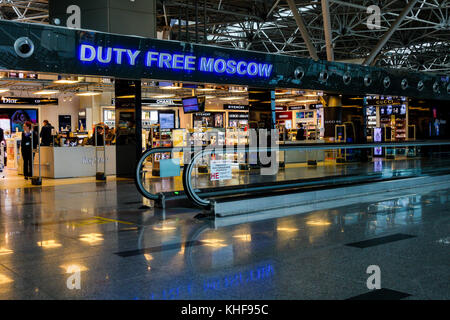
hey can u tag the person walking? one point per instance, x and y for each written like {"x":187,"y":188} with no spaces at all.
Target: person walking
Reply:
{"x":29,"y":137}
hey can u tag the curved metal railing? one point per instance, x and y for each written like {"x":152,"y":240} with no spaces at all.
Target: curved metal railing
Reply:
{"x":140,"y":170}
{"x":202,"y":201}
{"x":201,"y":197}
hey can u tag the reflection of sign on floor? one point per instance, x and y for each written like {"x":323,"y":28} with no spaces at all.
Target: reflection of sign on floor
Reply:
{"x":220,"y":170}
{"x":96,"y":221}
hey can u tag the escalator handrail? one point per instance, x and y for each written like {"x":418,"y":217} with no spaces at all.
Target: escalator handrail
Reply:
{"x":193,"y":196}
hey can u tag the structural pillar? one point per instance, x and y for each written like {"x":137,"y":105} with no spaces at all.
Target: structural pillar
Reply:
{"x":128,"y":126}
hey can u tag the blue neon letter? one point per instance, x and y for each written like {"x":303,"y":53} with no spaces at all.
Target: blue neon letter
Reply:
{"x":177,"y":62}
{"x":100,"y":55}
{"x":265,"y":70}
{"x":231,"y":67}
{"x":151,"y":56}
{"x":220,"y":65}
{"x":252,"y":69}
{"x":189,"y":63}
{"x":239,"y":68}
{"x":119,"y":54}
{"x":164,"y":60}
{"x":206,"y":65}
{"x":85,"y":48}
{"x":132,"y":56}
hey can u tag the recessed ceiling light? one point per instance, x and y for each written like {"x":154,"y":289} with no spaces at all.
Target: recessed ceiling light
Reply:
{"x":65,"y":81}
{"x":163,"y":96}
{"x":232,"y":98}
{"x":305,"y":101}
{"x":170,"y":88}
{"x":284,"y":100}
{"x":88,"y":94}
{"x":46,"y":92}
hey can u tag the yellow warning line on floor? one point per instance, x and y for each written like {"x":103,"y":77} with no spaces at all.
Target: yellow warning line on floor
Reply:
{"x":113,"y":220}
{"x":98,"y":221}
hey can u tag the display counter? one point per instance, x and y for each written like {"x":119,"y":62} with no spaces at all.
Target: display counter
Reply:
{"x":13,"y":152}
{"x":72,"y":162}
{"x":299,"y":156}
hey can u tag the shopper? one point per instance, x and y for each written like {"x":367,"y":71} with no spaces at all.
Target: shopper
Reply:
{"x":300,"y":132}
{"x":46,"y":133}
{"x":29,"y":137}
{"x":2,"y":139}
{"x":99,"y":134}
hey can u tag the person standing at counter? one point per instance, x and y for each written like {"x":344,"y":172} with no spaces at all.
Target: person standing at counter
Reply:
{"x":27,"y":148}
{"x":99,"y":134}
{"x":46,"y":133}
{"x":300,"y":133}
{"x":2,"y":139}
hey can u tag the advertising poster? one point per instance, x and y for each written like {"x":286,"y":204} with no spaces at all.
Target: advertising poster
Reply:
{"x":18,"y":117}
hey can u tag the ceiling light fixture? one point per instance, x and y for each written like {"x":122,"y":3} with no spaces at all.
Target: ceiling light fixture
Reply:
{"x":66,"y":81}
{"x":4,"y":90}
{"x":88,"y":94}
{"x":284,"y":100}
{"x":305,"y":101}
{"x":163,"y":96}
{"x":170,"y":88}
{"x":46,"y":92}
{"x":232,"y":98}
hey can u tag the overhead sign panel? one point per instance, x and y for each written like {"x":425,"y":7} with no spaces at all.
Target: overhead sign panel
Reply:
{"x":173,"y":61}
{"x":44,"y":48}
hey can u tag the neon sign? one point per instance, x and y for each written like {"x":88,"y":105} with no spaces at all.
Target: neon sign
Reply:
{"x":162,"y":60}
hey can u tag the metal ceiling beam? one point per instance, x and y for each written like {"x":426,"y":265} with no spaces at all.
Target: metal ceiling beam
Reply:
{"x":327,"y":29}
{"x":220,"y":11}
{"x":259,"y":27}
{"x":371,"y":58}
{"x":302,"y":27}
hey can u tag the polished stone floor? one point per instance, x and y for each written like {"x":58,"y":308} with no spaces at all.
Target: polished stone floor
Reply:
{"x":124,"y":251}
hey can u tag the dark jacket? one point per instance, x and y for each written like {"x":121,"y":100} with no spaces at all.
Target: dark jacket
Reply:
{"x":2,"y":136}
{"x":100,"y":141}
{"x":300,"y":134}
{"x":25,"y":144}
{"x":46,"y":135}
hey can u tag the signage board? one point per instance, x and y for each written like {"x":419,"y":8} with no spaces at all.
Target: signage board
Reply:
{"x":221,"y":170}
{"x":238,"y":115}
{"x":383,"y":102}
{"x":297,"y":108}
{"x":235,"y":107}
{"x":284,"y":115}
{"x":90,"y":53}
{"x":27,"y":101}
{"x":281,"y":108}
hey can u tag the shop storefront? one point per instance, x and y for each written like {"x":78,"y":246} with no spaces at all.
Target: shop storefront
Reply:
{"x":201,"y":81}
